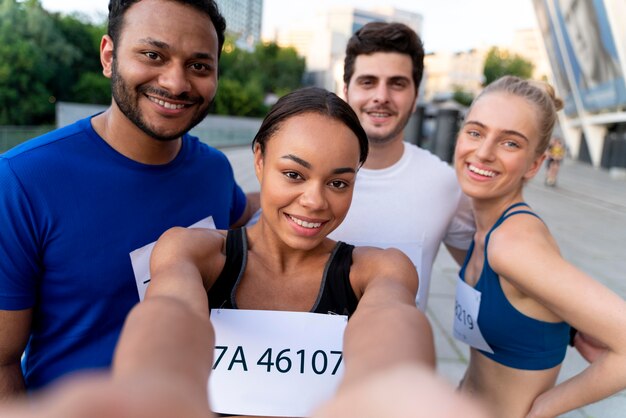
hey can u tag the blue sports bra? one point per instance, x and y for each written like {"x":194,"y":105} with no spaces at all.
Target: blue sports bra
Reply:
{"x":517,"y":340}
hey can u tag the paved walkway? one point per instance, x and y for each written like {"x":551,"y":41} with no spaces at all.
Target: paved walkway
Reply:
{"x":587,"y":214}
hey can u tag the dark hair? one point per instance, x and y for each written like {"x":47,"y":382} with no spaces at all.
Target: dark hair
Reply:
{"x":539,"y":94}
{"x":311,"y":100}
{"x":385,"y":37}
{"x":117,"y":8}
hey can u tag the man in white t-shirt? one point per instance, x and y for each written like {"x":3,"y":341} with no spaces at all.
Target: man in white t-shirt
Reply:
{"x":404,"y":197}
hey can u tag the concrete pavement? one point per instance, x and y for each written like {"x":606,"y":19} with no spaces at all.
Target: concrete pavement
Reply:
{"x":586,"y":212}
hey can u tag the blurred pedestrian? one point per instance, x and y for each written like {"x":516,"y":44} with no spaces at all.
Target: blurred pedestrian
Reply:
{"x":555,"y":154}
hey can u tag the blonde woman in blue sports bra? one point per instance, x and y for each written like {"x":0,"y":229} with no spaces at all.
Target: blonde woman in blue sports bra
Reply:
{"x":516,"y":296}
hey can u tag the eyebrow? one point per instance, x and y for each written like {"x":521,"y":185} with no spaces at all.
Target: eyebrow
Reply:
{"x":308,"y":165}
{"x":376,"y":77}
{"x":506,"y":131}
{"x":163,"y":45}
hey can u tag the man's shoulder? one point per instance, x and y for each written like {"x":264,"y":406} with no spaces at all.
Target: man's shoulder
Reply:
{"x":420,"y":157}
{"x":45,"y":143}
{"x":421,"y":163}
{"x":200,"y":150}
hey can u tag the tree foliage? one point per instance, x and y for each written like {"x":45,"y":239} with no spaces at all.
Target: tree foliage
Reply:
{"x":500,"y":62}
{"x":462,"y":97}
{"x":247,"y":77}
{"x":42,"y":56}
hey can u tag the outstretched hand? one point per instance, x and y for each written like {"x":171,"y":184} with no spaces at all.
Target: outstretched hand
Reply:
{"x":99,"y":396}
{"x":403,"y":391}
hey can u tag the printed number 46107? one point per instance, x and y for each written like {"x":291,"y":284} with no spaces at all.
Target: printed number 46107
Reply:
{"x":283,"y":362}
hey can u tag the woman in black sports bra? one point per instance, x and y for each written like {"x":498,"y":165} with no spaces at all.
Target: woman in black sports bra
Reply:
{"x":306,"y":156}
{"x":516,"y":295}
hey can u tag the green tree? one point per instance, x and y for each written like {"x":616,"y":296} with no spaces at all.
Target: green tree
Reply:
{"x":281,"y":68}
{"x":42,"y":57}
{"x":235,"y":98}
{"x":27,"y":36}
{"x":500,"y":62}
{"x":247,"y":77}
{"x":88,"y":85}
{"x":462,"y":97}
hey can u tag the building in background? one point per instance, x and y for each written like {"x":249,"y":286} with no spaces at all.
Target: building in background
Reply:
{"x":243,"y":20}
{"x":446,"y":72}
{"x":586,"y":43}
{"x":322,"y":39}
{"x":528,"y":44}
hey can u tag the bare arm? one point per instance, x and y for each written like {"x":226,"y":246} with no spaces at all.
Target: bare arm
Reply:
{"x":588,"y":347}
{"x":575,"y":297}
{"x":404,"y":390}
{"x":386,"y":328}
{"x":164,"y":355}
{"x":160,"y":370}
{"x":389,"y":351}
{"x":14,"y":332}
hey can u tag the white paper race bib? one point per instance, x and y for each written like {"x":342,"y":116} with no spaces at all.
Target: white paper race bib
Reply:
{"x":466,"y":309}
{"x":140,"y":258}
{"x":275,"y":363}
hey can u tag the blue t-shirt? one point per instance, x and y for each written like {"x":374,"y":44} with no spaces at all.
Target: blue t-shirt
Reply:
{"x":72,"y":210}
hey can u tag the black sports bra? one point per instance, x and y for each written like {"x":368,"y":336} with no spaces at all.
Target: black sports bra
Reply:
{"x":335,"y":296}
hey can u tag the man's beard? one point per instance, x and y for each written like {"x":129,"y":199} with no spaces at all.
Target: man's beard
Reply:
{"x":378,"y":139}
{"x":126,"y":99}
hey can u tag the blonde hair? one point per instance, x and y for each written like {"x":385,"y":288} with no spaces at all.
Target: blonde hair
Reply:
{"x":537,"y":93}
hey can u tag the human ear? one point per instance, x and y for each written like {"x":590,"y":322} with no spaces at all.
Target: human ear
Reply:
{"x":106,"y":55}
{"x":534,"y":167}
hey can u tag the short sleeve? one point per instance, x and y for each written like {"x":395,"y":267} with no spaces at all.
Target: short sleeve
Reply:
{"x":19,"y":267}
{"x":462,"y":228}
{"x":239,"y":204}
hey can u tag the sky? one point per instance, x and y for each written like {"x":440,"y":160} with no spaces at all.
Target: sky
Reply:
{"x":449,"y":25}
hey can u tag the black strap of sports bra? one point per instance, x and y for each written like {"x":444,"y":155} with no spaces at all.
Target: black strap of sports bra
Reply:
{"x":219,"y":294}
{"x":337,"y":295}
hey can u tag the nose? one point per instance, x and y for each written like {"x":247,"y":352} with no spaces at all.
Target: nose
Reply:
{"x":381,"y":93}
{"x":485,"y":149}
{"x":174,"y":79}
{"x":313,"y":197}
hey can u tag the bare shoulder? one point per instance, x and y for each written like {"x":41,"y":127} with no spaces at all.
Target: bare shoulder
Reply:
{"x":374,"y":257}
{"x":371,"y":263}
{"x":522,"y":231}
{"x":187,"y":252}
{"x":523,"y":241}
{"x":191,"y":238}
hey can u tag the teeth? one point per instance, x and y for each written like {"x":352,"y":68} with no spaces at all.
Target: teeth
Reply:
{"x":165,"y":104}
{"x":379,"y":115}
{"x":486,"y":173}
{"x":306,"y":224}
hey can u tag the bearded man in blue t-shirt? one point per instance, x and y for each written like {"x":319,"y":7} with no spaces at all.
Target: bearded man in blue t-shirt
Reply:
{"x":76,"y":202}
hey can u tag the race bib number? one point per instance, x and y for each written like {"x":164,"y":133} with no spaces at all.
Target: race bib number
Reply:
{"x":466,"y":307}
{"x":275,"y":363}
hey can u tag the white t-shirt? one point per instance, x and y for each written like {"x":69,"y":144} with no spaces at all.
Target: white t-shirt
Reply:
{"x":414,"y":205}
